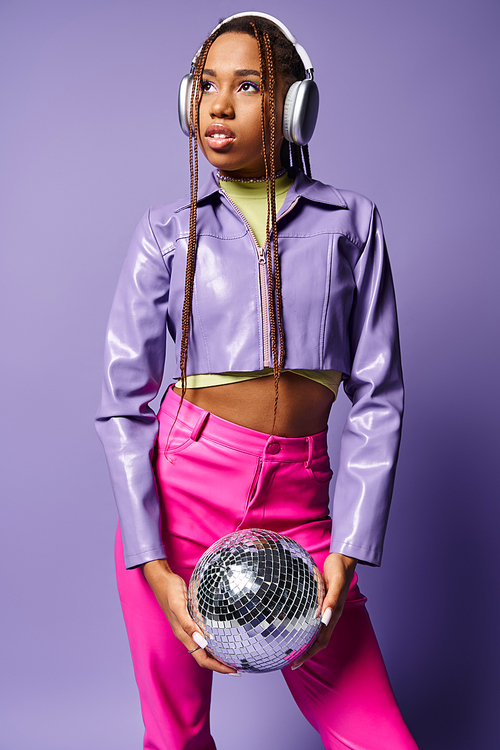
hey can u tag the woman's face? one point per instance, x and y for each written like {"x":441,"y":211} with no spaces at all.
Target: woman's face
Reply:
{"x":230,"y":129}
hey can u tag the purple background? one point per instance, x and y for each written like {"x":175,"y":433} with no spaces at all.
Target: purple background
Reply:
{"x":89,"y":138}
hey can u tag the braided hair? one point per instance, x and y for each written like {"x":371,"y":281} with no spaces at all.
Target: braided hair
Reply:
{"x":277,"y":56}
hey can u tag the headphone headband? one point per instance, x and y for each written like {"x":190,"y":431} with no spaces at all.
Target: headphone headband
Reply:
{"x":306,"y":60}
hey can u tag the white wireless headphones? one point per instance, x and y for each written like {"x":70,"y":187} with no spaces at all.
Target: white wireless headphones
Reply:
{"x":300,"y":110}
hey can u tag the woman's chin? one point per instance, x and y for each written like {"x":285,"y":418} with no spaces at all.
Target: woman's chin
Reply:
{"x":231,"y":166}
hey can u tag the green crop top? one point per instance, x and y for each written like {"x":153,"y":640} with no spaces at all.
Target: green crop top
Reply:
{"x":251,"y":199}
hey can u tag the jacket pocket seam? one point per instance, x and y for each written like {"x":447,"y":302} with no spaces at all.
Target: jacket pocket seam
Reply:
{"x":326,"y":300}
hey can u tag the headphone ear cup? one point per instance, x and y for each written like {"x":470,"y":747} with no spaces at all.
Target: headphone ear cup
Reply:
{"x":300,"y":111}
{"x":184,"y":101}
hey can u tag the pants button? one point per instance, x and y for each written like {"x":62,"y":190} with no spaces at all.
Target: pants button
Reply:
{"x":273,"y":448}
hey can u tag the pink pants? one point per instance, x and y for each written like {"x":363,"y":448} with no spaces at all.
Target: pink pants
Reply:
{"x":219,"y":477}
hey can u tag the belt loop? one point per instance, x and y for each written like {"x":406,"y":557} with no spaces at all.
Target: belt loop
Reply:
{"x":199,"y":426}
{"x":310,"y":448}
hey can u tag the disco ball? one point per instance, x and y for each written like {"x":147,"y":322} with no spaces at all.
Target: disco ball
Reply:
{"x":256,"y":595}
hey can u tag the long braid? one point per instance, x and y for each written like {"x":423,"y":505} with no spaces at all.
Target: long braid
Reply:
{"x":278,"y":342}
{"x":260,"y":42}
{"x":285,"y":156}
{"x":307,"y":160}
{"x":191,"y":251}
{"x":274,"y":279}
{"x":296,"y":156}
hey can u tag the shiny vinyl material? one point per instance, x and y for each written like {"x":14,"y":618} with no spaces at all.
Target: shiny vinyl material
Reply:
{"x":206,"y":492}
{"x":339,"y":313}
{"x":257,"y":596}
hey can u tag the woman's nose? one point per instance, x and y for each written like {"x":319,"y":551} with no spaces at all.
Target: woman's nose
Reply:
{"x":222,"y":106}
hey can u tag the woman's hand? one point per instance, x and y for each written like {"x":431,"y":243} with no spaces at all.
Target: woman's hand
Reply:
{"x":171,"y":594}
{"x":337,"y":574}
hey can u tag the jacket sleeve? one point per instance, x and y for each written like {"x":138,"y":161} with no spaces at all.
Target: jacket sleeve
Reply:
{"x":370,"y":440}
{"x":133,"y":369}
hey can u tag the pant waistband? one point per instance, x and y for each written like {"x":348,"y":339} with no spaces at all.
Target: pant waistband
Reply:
{"x":235,"y":436}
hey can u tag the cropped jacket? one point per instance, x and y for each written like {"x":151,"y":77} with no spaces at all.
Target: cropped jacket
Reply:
{"x":339,"y":313}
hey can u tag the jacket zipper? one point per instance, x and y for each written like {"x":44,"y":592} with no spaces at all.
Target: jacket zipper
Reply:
{"x":264,"y":296}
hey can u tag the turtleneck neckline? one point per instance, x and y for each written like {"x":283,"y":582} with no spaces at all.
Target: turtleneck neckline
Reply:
{"x":255,"y":190}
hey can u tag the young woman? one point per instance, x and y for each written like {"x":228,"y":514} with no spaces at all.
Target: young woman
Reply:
{"x":275,"y":288}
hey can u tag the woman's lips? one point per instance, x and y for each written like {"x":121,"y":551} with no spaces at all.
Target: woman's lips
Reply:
{"x":219,"y":137}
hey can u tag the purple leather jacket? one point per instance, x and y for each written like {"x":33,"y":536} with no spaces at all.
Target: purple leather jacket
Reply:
{"x":339,"y":314}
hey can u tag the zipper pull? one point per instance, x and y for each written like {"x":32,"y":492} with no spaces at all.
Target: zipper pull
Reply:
{"x":262,"y":256}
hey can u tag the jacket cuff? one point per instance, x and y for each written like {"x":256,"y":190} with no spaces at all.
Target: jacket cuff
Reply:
{"x":365,"y":555}
{"x":133,"y":561}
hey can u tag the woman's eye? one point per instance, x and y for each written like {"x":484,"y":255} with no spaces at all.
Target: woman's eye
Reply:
{"x":249,"y":86}
{"x":207,"y":86}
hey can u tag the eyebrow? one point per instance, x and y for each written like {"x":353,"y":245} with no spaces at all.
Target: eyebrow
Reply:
{"x":239,"y":73}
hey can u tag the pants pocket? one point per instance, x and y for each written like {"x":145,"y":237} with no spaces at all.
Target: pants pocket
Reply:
{"x":173,"y":438}
{"x":319,"y":469}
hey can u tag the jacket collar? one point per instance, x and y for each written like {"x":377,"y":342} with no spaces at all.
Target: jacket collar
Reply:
{"x":302,"y":187}
{"x":313,"y":191}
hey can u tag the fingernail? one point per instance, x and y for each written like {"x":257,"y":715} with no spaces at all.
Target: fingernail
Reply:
{"x":233,"y":674}
{"x":296,"y":666}
{"x":327,"y":616}
{"x":199,"y":640}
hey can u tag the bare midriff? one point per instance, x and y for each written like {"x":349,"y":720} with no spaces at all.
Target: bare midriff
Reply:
{"x":303,"y":405}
